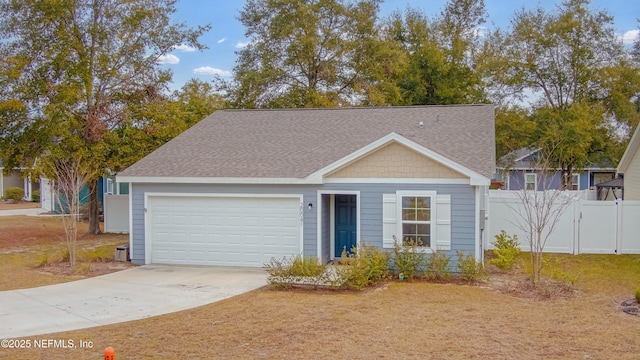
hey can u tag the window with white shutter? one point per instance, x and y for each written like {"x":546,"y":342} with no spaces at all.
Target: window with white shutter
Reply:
{"x":417,"y":217}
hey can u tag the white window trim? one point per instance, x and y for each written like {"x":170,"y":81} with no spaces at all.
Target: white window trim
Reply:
{"x":535,"y":181}
{"x":110,"y":186}
{"x":433,"y":216}
{"x":575,"y":183}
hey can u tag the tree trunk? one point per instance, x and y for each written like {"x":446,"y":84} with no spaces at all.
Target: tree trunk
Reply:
{"x":94,"y":211}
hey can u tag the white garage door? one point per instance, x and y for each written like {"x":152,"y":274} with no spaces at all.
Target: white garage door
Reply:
{"x":229,"y":231}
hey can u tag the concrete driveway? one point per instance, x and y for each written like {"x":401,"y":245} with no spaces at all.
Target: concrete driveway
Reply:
{"x":126,"y":295}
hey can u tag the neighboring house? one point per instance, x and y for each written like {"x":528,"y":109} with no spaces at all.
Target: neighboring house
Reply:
{"x":519,"y":169}
{"x":629,"y":168}
{"x":106,"y":185}
{"x":110,"y":186}
{"x":15,"y":179}
{"x":50,"y":200}
{"x":244,"y":186}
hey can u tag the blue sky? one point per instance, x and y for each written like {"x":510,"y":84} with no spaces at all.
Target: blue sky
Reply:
{"x":227,"y":33}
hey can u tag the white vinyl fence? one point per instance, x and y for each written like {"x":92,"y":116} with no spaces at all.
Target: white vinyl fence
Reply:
{"x":585,"y":227}
{"x":116,"y":213}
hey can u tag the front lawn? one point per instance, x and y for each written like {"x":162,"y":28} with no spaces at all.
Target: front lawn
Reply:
{"x":397,"y":320}
{"x":32,"y":249}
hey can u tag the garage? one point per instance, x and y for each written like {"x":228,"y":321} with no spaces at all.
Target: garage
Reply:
{"x":225,"y":230}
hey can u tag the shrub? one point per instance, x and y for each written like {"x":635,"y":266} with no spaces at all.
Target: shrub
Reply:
{"x":43,"y":261}
{"x":66,"y":256}
{"x":638,"y":295}
{"x":438,"y":266}
{"x":99,"y":254}
{"x":408,"y":258}
{"x":567,"y":280}
{"x":35,"y":196}
{"x":297,"y":270}
{"x":470,"y":269}
{"x":363,"y":267}
{"x":506,"y":250}
{"x":14,"y":194}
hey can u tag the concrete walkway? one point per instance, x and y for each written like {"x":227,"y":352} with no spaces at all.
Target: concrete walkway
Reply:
{"x":126,"y":295}
{"x":28,"y":212}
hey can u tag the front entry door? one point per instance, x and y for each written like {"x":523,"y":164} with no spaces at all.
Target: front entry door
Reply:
{"x":345,"y":223}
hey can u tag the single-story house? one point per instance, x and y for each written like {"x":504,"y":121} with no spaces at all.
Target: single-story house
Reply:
{"x":519,"y":169}
{"x":15,"y":178}
{"x":244,"y":186}
{"x":629,"y":168}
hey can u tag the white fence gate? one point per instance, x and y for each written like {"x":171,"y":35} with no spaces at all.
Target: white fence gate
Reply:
{"x":116,"y":213}
{"x":585,"y":227}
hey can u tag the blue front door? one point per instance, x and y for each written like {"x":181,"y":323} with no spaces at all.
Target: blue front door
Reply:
{"x":345,"y":223}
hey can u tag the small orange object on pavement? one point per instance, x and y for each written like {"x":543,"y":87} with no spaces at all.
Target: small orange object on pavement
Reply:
{"x":109,"y":353}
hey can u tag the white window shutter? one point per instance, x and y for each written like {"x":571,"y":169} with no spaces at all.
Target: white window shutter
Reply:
{"x":389,"y":221}
{"x":443,"y":222}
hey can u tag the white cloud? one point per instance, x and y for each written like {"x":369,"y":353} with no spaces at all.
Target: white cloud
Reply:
{"x":221,"y":40}
{"x":630,"y":36}
{"x":168,"y":59}
{"x":185,"y":48}
{"x":208,"y":70}
{"x":241,"y":45}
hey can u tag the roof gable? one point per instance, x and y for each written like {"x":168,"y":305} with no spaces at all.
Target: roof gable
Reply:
{"x":630,"y":152}
{"x":394,"y":160}
{"x":294,"y":144}
{"x":448,"y":168}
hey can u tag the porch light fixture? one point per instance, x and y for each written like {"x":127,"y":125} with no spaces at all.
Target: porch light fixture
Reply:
{"x":310,"y":206}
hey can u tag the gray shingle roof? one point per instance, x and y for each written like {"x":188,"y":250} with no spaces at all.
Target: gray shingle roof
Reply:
{"x":297,"y":142}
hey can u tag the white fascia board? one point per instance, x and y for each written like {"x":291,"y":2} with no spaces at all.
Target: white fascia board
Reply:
{"x":209,"y":180}
{"x":474,"y":177}
{"x":396,"y":181}
{"x":634,"y":143}
{"x":527,"y":154}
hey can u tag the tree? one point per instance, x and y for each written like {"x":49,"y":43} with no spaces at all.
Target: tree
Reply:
{"x":71,"y":174}
{"x":320,"y":53}
{"x":572,"y":137}
{"x":154,"y":118}
{"x":72,"y":65}
{"x":441,"y":54}
{"x":538,"y":212}
{"x":515,"y":129}
{"x":565,"y":61}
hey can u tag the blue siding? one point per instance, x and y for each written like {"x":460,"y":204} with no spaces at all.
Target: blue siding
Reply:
{"x":545,"y":181}
{"x":462,"y":209}
{"x":326,"y":227}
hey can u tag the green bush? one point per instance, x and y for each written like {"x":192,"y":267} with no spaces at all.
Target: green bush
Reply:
{"x":638,"y":295}
{"x":438,"y":266}
{"x":470,"y":269}
{"x":363,"y":267}
{"x":408,"y":258}
{"x":35,"y":196}
{"x":507,"y":249}
{"x":14,"y":194}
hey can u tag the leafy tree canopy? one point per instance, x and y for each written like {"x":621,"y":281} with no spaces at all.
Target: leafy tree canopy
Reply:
{"x":69,"y":69}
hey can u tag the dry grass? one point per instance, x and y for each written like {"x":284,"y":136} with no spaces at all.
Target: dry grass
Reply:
{"x":9,"y":205}
{"x":32,"y":248}
{"x":394,"y":321}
